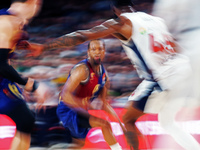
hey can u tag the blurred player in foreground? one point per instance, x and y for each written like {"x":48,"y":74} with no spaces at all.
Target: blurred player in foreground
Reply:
{"x":149,"y":46}
{"x":184,"y":24}
{"x":87,"y":80}
{"x":12,"y":101}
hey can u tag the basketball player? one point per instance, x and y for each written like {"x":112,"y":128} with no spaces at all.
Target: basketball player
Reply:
{"x":12,"y":102}
{"x":87,"y":80}
{"x":184,"y":24}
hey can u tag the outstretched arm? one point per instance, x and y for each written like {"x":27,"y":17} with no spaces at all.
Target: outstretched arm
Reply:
{"x":74,"y":38}
{"x":79,"y":37}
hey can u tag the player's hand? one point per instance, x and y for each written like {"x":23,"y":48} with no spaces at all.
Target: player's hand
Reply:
{"x":35,"y":48}
{"x":42,"y":94}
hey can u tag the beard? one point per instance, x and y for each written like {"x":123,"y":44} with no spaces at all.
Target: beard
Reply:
{"x":97,"y":62}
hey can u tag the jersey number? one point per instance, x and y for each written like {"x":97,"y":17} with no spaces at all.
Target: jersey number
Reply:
{"x":165,"y":47}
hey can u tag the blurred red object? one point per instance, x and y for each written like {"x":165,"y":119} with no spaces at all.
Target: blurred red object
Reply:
{"x":148,"y":124}
{"x":7,"y":131}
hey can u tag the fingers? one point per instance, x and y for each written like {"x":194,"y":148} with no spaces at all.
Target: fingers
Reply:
{"x":23,"y":45}
{"x":35,"y":49}
{"x":41,"y":93}
{"x":44,"y":95}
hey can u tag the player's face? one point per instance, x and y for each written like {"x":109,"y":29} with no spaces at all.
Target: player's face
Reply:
{"x":96,"y":52}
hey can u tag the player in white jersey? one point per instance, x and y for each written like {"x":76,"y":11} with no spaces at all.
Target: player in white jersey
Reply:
{"x":161,"y":67}
{"x":149,"y":46}
{"x":184,"y":24}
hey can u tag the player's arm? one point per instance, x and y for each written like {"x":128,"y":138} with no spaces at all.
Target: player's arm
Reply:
{"x":78,"y":74}
{"x":106,"y":105}
{"x":108,"y":108}
{"x":7,"y":71}
{"x":80,"y":36}
{"x":74,"y":38}
{"x":103,"y":97}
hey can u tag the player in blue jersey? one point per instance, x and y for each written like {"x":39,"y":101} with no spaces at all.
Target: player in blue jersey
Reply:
{"x":87,"y":80}
{"x":12,"y":101}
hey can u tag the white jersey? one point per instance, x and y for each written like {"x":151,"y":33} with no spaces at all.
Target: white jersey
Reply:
{"x":183,"y":20}
{"x":149,"y":47}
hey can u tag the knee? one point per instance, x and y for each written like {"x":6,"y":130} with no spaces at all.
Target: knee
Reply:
{"x":128,"y":120}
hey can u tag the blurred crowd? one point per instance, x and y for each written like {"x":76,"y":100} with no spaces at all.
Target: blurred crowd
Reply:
{"x":53,"y":66}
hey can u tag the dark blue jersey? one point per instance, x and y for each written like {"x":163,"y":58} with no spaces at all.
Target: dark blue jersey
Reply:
{"x":90,"y":89}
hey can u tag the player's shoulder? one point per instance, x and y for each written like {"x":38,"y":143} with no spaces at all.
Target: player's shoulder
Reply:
{"x":113,"y":22}
{"x":82,"y":68}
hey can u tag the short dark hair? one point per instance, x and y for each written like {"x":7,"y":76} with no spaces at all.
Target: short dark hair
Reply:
{"x":97,"y":40}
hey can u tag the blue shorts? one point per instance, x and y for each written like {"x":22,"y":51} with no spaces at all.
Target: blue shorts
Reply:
{"x":70,"y":119}
{"x":10,"y":96}
{"x":13,"y":105}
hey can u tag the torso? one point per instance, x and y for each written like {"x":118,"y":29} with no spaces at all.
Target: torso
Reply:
{"x":92,"y":86}
{"x":149,"y":46}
